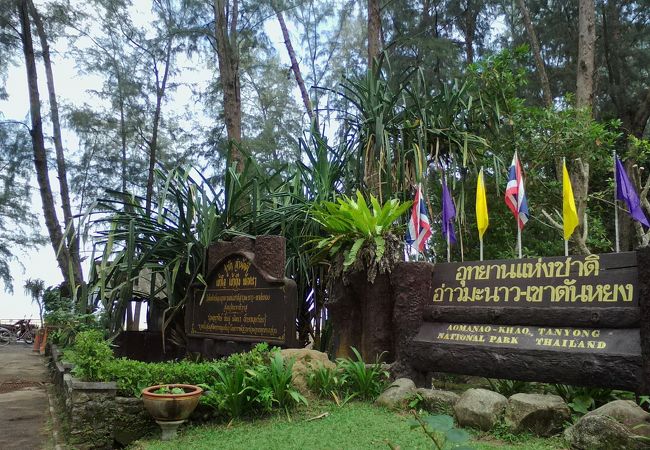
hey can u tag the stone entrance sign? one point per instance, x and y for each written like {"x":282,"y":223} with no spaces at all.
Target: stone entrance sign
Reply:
{"x":578,"y":320}
{"x":247,"y":299}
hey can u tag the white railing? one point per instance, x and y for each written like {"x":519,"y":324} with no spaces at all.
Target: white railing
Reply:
{"x":5,"y":322}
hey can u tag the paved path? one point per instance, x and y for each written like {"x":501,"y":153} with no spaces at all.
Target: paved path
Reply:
{"x":24,"y":406}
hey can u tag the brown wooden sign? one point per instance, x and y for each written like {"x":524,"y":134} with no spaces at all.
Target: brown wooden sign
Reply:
{"x":596,"y":281}
{"x":564,"y":319}
{"x":583,"y":340}
{"x":243,"y":303}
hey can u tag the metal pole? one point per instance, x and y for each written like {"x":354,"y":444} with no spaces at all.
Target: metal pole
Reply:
{"x":618,"y":245}
{"x":481,"y":241}
{"x":518,"y":237}
{"x":448,"y":247}
{"x":566,"y":242}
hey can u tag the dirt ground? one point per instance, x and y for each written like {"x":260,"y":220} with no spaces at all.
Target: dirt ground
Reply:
{"x":24,"y":406}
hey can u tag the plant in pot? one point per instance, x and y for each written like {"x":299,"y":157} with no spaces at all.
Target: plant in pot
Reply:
{"x":171,"y":405}
{"x":361,"y":248}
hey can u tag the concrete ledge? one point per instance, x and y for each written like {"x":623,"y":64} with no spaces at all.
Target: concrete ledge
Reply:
{"x":92,"y":385}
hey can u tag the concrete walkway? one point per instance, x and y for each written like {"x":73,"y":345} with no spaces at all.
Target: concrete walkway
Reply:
{"x":24,"y":406}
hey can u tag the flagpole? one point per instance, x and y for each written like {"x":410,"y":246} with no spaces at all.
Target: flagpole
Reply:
{"x":448,"y":247}
{"x":519,"y":237}
{"x":443,"y":183}
{"x":481,"y":241}
{"x":566,"y":241}
{"x":618,"y":245}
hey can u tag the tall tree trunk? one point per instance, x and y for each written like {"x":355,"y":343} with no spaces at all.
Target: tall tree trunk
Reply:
{"x":133,"y":316}
{"x":584,"y":99}
{"x":295,"y":67}
{"x":123,"y":139}
{"x":470,"y":14}
{"x":537,"y":54}
{"x":374,"y":31}
{"x":225,"y":27}
{"x":72,"y":239}
{"x":586,"y":54}
{"x":38,"y":144}
{"x":580,"y":181}
{"x":161,"y":86}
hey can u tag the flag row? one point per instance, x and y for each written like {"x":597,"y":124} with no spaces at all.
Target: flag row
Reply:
{"x":419,"y":226}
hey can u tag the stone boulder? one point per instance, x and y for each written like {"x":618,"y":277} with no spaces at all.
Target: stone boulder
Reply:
{"x":398,"y":394}
{"x":479,"y":408}
{"x":597,"y":432}
{"x":305,"y":360}
{"x":438,"y":401}
{"x":627,"y":413}
{"x":543,"y":415}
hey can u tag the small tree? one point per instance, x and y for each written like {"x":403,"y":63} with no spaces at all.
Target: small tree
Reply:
{"x":35,"y":289}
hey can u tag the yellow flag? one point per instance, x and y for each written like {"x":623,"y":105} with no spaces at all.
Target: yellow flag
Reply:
{"x":569,"y":212}
{"x":482,"y":220}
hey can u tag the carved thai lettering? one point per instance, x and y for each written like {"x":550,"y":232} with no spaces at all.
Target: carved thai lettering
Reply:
{"x":562,"y":268}
{"x":491,"y":295}
{"x":513,"y":272}
{"x":591,"y":266}
{"x":530,"y":270}
{"x":461,"y":273}
{"x":534,"y":294}
{"x":566,"y":292}
{"x":481,"y":272}
{"x":462,"y":293}
{"x":518,"y":293}
{"x":625,"y":292}
{"x":499,"y":271}
{"x":504,"y":293}
{"x":586,"y":294}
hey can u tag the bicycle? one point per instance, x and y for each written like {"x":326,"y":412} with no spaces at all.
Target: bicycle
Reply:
{"x":20,"y":331}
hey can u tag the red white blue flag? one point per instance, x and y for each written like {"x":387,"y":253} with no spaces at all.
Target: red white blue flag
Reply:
{"x":516,"y":194}
{"x":419,"y":228}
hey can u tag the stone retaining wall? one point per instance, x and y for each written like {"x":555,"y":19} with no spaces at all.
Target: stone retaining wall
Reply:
{"x":90,"y":409}
{"x":95,"y":417}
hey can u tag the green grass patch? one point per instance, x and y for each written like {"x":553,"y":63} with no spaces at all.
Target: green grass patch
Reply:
{"x":356,"y":425}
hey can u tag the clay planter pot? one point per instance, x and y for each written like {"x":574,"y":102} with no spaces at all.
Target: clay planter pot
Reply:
{"x":171,"y":407}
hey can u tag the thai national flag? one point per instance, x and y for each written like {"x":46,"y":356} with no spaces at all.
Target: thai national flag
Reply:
{"x":516,"y":194}
{"x":419,"y":229}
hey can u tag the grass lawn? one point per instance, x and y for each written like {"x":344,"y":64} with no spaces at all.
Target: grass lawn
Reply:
{"x":353,"y":426}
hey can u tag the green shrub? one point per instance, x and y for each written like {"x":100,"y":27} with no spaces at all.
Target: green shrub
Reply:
{"x":324,"y":381}
{"x":272,"y":384}
{"x":91,"y":356}
{"x":232,"y":394}
{"x":583,"y":399}
{"x":510,"y":387}
{"x":133,"y":376}
{"x":361,"y":380}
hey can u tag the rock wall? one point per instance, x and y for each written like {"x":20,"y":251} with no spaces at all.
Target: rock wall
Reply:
{"x":90,"y":409}
{"x":131,"y":421}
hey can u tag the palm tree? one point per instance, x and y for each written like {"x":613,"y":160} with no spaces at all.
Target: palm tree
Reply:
{"x":35,"y":289}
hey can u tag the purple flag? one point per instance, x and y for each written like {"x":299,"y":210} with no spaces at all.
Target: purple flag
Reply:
{"x":448,"y":214}
{"x":625,"y":192}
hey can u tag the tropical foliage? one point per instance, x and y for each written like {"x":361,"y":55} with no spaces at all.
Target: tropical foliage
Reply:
{"x":359,"y":237}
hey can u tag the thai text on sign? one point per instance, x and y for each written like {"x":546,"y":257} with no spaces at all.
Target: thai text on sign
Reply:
{"x":606,"y":280}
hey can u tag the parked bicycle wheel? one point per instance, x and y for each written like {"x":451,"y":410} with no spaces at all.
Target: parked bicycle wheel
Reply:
{"x":5,"y":336}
